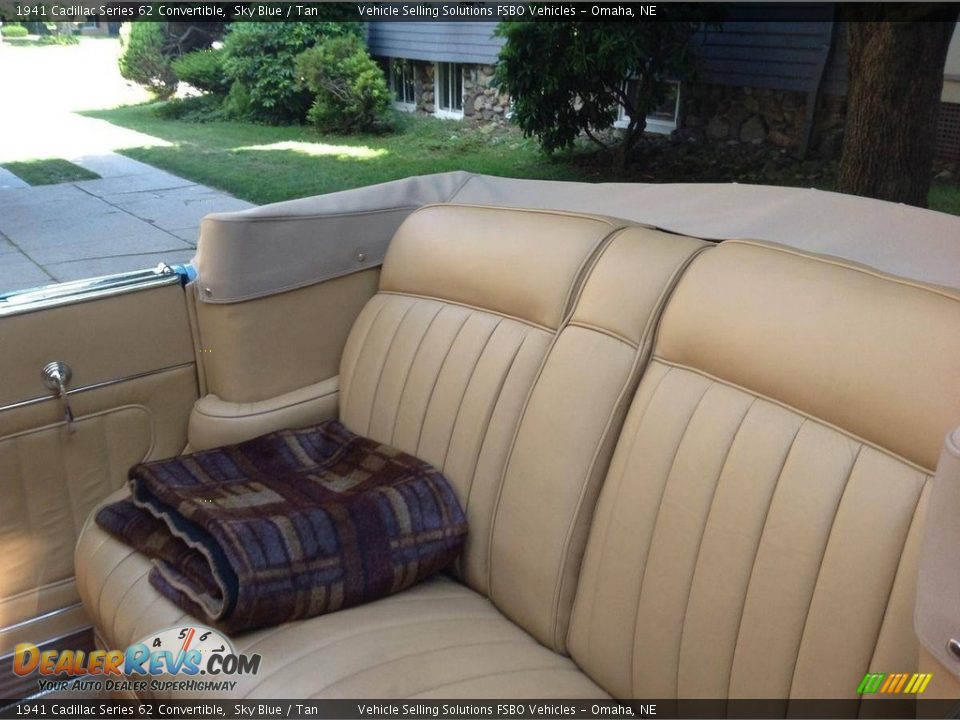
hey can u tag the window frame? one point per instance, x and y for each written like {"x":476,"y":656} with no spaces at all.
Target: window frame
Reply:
{"x":403,"y":64}
{"x":655,"y":125}
{"x":441,"y":112}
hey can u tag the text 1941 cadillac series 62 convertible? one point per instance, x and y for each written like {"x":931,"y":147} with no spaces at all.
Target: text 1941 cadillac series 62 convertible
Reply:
{"x":704,"y":436}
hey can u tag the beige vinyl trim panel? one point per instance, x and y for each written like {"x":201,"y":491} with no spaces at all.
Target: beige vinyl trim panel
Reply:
{"x":284,"y":246}
{"x":134,"y":382}
{"x":101,"y":340}
{"x":259,"y":349}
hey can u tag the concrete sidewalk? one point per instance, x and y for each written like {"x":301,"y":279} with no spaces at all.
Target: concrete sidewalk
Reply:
{"x":134,"y":217}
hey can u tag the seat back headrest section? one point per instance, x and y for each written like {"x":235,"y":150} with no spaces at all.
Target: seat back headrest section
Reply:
{"x":569,"y":428}
{"x":874,"y":355}
{"x":519,"y":263}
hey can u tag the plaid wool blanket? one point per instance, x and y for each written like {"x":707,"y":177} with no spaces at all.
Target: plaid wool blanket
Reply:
{"x":288,"y":525}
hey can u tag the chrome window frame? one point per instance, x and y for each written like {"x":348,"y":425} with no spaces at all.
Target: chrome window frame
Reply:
{"x":43,"y":297}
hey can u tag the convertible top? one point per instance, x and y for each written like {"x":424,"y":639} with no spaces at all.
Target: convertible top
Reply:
{"x":287,"y":245}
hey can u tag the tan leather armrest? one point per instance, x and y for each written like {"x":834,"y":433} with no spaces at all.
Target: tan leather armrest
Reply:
{"x":215,"y":422}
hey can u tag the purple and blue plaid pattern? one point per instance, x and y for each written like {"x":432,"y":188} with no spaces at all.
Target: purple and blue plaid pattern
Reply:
{"x":289,"y":525}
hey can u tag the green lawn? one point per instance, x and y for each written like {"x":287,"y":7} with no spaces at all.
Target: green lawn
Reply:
{"x":945,"y":198}
{"x":49,"y":172}
{"x":265,"y":164}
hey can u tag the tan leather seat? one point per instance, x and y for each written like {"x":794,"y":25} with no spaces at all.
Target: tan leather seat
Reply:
{"x":476,"y":307}
{"x":757,"y":530}
{"x":758,"y":533}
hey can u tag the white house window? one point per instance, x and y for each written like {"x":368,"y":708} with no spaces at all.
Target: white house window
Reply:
{"x":449,"y":90}
{"x":663,"y":119}
{"x":402,"y":83}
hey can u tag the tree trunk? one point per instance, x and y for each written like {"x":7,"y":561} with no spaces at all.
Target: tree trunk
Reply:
{"x":896,"y":76}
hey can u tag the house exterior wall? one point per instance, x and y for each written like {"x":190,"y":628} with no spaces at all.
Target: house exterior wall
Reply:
{"x":754,"y":80}
{"x":481,"y":100}
{"x":463,"y":42}
{"x":747,"y":52}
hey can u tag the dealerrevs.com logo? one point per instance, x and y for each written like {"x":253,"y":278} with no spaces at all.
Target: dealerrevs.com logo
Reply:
{"x":190,"y":657}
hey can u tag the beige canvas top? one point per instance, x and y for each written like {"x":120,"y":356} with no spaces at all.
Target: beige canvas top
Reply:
{"x":287,"y":245}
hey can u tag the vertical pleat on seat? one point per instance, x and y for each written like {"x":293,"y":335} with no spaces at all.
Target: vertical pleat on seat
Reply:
{"x":444,"y":383}
{"x":441,"y":361}
{"x":751,"y":550}
{"x":758,"y":533}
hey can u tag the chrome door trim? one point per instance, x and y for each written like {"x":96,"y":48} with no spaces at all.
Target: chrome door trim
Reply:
{"x":78,"y":291}
{"x":95,"y":386}
{"x":38,"y":618}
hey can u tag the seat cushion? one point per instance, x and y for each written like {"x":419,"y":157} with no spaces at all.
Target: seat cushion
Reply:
{"x":438,"y":639}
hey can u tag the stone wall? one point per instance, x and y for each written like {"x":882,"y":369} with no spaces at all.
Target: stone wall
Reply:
{"x":423,"y":74}
{"x":762,"y":115}
{"x":481,"y":100}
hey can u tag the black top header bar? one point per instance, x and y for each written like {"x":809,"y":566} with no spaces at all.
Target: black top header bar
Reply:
{"x":552,"y":11}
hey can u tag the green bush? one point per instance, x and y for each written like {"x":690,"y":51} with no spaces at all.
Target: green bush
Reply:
{"x":197,"y":109}
{"x":236,"y":105}
{"x":204,"y":70}
{"x":144,"y":61}
{"x":13,"y":31}
{"x":351,"y":94}
{"x":58,"y":40}
{"x":262,"y":57}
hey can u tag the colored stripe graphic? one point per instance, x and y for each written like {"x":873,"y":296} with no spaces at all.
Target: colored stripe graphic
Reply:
{"x":894,"y":683}
{"x":870,"y":683}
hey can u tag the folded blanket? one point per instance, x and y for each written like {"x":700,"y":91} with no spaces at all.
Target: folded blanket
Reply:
{"x":289,"y":525}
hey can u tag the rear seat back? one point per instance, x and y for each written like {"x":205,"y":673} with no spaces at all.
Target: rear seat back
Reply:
{"x":503,"y":347}
{"x":570,"y":425}
{"x":441,"y":360}
{"x":758,"y":532}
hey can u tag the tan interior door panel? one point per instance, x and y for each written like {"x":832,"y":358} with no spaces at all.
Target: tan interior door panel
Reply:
{"x":133,"y":384}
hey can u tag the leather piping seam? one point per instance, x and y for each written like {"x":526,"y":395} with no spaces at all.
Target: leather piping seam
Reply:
{"x":896,"y":573}
{"x":816,"y":581}
{"x":840,"y":263}
{"x":802,"y":413}
{"x":468,"y":306}
{"x":756,"y":551}
{"x":577,"y":287}
{"x":603,"y":331}
{"x":643,"y":351}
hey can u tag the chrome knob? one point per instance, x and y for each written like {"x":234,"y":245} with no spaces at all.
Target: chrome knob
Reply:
{"x":56,"y":375}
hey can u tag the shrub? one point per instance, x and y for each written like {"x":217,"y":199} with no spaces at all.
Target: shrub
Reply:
{"x":262,"y":56}
{"x":197,"y":109}
{"x":143,"y":59}
{"x":204,"y":70}
{"x":13,"y":31}
{"x":236,"y":105}
{"x":58,"y":40}
{"x":570,"y":78}
{"x":351,"y":94}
